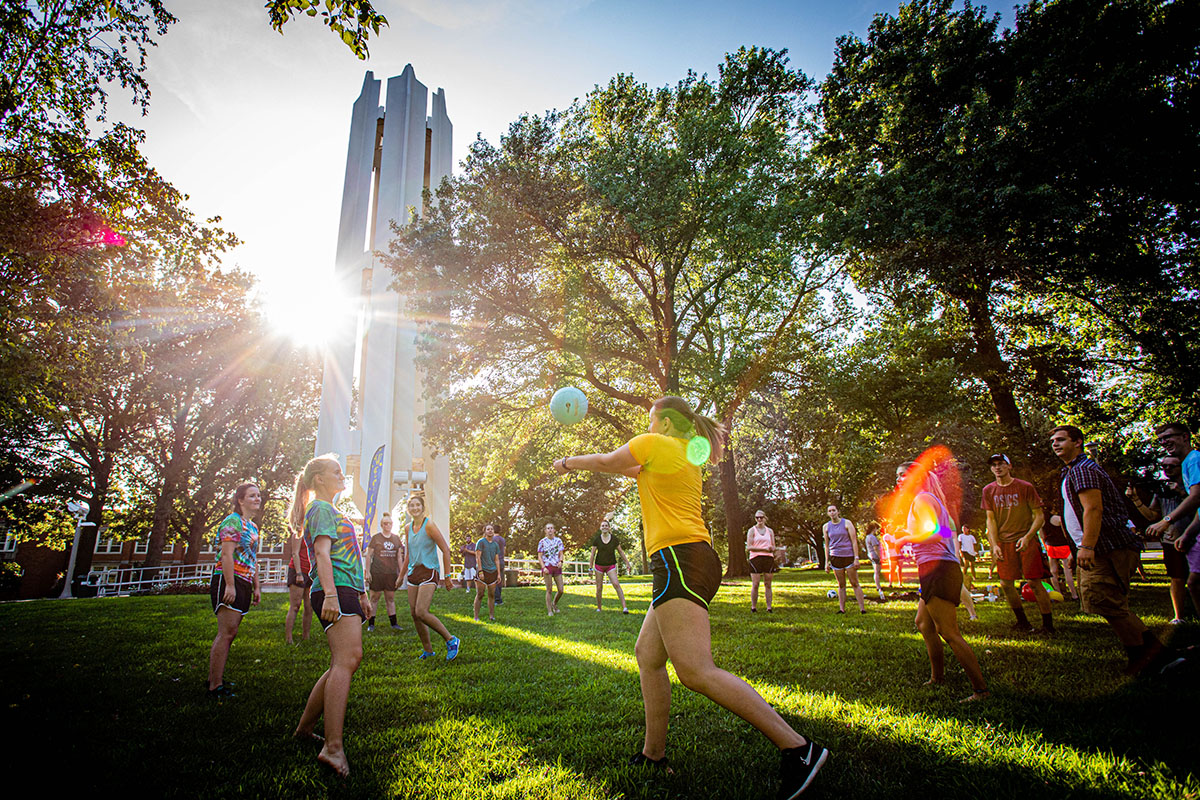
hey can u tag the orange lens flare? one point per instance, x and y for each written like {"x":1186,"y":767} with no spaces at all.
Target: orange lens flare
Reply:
{"x":938,"y":462}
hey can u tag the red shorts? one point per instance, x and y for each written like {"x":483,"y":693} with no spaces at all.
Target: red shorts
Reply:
{"x":1062,"y":551}
{"x":553,"y":570}
{"x":1027,"y":563}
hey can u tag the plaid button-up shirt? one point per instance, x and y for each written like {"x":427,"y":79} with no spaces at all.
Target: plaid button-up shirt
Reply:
{"x":1084,"y":473}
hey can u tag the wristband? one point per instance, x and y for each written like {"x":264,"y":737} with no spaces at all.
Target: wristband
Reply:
{"x":564,"y":463}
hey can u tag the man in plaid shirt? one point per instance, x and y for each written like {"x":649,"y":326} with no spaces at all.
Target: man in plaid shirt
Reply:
{"x":1094,"y":516}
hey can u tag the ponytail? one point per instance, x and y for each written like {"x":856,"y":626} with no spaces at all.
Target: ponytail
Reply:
{"x":689,"y":424}
{"x":304,"y":480}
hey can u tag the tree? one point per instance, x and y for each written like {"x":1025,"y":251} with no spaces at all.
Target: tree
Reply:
{"x":988,"y":169}
{"x":352,"y":20}
{"x":644,"y":242}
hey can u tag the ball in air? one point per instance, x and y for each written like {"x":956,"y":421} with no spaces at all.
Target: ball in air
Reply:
{"x":568,"y":405}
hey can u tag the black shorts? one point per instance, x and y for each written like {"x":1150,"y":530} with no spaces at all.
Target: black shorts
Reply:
{"x":383,"y":581}
{"x":419,"y":576}
{"x":763,"y":565}
{"x":1175,"y":561}
{"x":298,"y":578}
{"x":243,"y":587}
{"x":691,"y":571}
{"x":941,"y":579}
{"x":840,"y":562}
{"x":968,"y":558}
{"x":488,"y":577}
{"x":347,"y":599}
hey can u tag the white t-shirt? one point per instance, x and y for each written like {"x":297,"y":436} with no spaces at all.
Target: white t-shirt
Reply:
{"x":967,"y":542}
{"x":1070,"y":521}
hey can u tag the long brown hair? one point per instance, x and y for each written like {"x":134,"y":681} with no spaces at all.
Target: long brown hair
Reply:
{"x":690,"y":424}
{"x":304,"y":486}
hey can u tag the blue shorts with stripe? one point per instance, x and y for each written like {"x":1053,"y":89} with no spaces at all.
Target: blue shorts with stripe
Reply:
{"x":691,"y":571}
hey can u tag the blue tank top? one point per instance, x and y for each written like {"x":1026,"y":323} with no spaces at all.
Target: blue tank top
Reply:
{"x":422,"y":552}
{"x":839,"y":540}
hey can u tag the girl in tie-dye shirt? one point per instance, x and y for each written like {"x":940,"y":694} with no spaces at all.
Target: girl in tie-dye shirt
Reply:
{"x":235,"y":580}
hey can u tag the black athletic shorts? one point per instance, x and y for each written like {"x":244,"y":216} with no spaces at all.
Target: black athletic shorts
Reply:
{"x":941,"y":579}
{"x":1176,"y":562}
{"x":347,"y":599}
{"x":298,"y":578}
{"x":243,"y":587}
{"x":691,"y":571}
{"x":840,"y":562}
{"x":763,"y":565}
{"x":382,"y":581}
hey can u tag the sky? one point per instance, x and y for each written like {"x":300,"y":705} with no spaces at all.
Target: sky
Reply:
{"x":252,"y":125}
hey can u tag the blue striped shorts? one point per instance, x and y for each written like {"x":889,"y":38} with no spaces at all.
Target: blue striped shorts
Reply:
{"x":691,"y":571}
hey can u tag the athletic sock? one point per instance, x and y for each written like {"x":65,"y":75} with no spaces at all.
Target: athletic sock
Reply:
{"x":1022,"y":620}
{"x":392,"y":619}
{"x":371,"y":621}
{"x":1048,"y":622}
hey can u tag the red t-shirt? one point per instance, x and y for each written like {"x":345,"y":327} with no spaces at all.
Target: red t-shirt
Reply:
{"x":1012,"y":506}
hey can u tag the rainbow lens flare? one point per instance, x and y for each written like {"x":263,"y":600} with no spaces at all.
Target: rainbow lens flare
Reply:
{"x":698,"y":450}
{"x":934,"y":471}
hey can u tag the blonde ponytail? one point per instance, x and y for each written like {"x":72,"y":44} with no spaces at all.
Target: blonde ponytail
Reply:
{"x":689,"y":424}
{"x":304,"y":486}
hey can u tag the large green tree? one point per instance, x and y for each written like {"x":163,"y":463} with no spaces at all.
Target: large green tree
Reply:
{"x":995,"y":168}
{"x":644,"y":242}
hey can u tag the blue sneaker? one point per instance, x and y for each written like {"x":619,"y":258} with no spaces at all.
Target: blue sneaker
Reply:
{"x":424,"y":655}
{"x":451,"y":648}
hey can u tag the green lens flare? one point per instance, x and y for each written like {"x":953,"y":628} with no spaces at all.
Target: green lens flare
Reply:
{"x":698,"y":450}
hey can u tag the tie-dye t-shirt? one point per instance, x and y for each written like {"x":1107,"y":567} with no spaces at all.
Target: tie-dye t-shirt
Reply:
{"x":322,"y":519}
{"x":244,"y":534}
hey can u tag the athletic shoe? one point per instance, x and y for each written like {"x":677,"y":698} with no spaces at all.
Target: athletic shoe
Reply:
{"x":370,"y":627}
{"x":797,"y":768}
{"x":425,"y":654}
{"x":499,"y":602}
{"x":624,"y":610}
{"x":1177,"y":621}
{"x":452,"y":648}
{"x":396,"y":627}
{"x":640,"y":759}
{"x":222,"y":692}
{"x":1019,"y":628}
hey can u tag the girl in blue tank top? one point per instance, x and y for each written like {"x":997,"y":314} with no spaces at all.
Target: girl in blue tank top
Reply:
{"x":423,"y":568}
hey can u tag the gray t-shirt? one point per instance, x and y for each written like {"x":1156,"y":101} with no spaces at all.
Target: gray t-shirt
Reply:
{"x":872,"y":543}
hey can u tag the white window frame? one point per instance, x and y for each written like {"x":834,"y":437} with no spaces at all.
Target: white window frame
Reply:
{"x":107,"y":546}
{"x":8,"y":544}
{"x":141,"y":547}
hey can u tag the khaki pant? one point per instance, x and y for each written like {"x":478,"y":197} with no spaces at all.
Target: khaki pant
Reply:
{"x":1105,"y":587}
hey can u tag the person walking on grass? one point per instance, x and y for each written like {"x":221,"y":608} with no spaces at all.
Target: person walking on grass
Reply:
{"x":968,"y":547}
{"x":550,"y":555}
{"x":298,"y":584}
{"x":487,"y":577}
{"x":383,"y":554}
{"x":470,"y":568}
{"x":940,"y":577}
{"x":1093,"y":511}
{"x":1014,"y":517}
{"x":760,"y":551}
{"x":841,"y":556}
{"x":339,"y":599}
{"x":606,"y":546}
{"x":873,"y":555}
{"x":234,"y":583}
{"x":1176,"y":439}
{"x":686,"y":575}
{"x":425,"y":540}
{"x":1060,"y":556}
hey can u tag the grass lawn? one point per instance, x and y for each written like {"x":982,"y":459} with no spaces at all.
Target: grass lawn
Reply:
{"x":108,"y":694}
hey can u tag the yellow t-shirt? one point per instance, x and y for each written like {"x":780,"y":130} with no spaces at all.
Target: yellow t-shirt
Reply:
{"x":669,"y":488}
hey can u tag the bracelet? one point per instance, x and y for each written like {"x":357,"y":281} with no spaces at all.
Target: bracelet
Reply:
{"x":564,"y":463}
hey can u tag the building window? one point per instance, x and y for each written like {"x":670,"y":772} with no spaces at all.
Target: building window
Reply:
{"x":8,"y":544}
{"x":141,"y":547}
{"x":108,"y":547}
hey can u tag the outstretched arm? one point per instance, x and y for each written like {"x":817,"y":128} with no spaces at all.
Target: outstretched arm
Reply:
{"x":618,"y":462}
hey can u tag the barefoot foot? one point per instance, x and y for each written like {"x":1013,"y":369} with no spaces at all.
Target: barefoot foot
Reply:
{"x":976,"y":697}
{"x":308,"y":736}
{"x":335,"y":760}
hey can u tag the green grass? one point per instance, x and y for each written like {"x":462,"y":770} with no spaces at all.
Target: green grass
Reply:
{"x":544,"y":707}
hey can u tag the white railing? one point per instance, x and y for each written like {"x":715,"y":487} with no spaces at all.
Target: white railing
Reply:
{"x":531,"y":567}
{"x":113,"y":581}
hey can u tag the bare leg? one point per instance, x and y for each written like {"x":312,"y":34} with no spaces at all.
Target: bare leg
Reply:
{"x":968,"y":601}
{"x":878,"y":574}
{"x":1178,"y":601}
{"x":767,"y":590}
{"x":295,"y":599}
{"x":946,"y":621}
{"x":374,"y":605}
{"x":331,"y":691}
{"x":840,"y":574}
{"x":422,"y":631}
{"x":1041,"y":596}
{"x":1193,"y":587}
{"x":491,"y":590}
{"x":599,"y":588}
{"x":306,"y":615}
{"x":480,"y":587}
{"x":549,"y":588}
{"x":933,"y":644}
{"x":852,"y":573}
{"x":390,"y":598}
{"x":1055,"y":572}
{"x":754,"y":591}
{"x":656,"y":686}
{"x":558,"y":581}
{"x":612,"y":577}
{"x":228,"y":621}
{"x":684,"y":631}
{"x":423,"y":616}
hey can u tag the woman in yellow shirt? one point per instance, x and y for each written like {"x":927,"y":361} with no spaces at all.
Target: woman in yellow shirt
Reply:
{"x":687,"y":574}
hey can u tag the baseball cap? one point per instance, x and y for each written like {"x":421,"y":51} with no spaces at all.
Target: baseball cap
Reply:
{"x":999,"y":457}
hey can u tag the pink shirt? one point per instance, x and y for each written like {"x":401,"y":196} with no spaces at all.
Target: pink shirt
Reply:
{"x":762,"y":541}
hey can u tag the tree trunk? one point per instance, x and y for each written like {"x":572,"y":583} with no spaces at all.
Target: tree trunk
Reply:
{"x":737,"y":567}
{"x":993,"y":370}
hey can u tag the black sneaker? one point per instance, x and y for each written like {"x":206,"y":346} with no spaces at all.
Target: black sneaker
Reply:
{"x":222,"y":692}
{"x":640,"y":759}
{"x":1019,"y":627}
{"x":798,"y":767}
